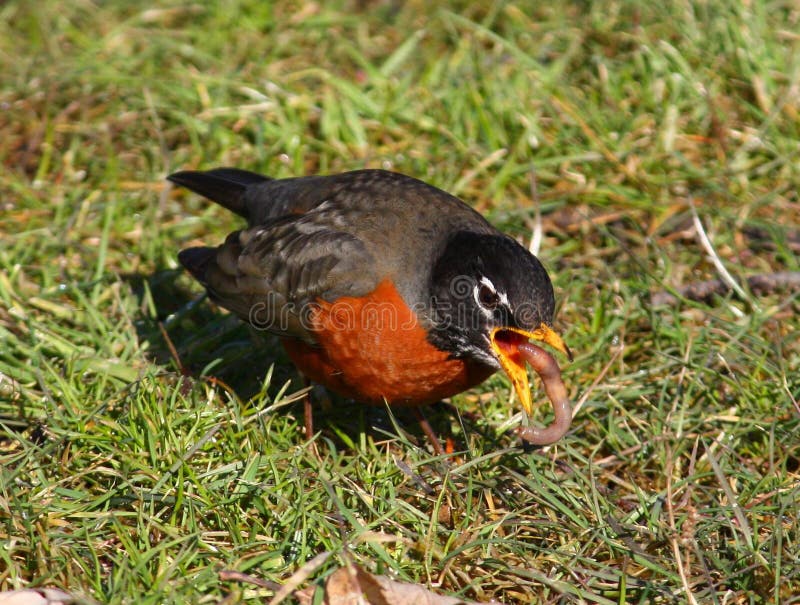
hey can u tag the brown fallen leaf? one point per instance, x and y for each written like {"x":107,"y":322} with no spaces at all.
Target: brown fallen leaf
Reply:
{"x":36,"y":596}
{"x":351,"y":585}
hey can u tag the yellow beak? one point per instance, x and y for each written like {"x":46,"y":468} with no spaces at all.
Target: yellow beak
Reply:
{"x":504,"y":341}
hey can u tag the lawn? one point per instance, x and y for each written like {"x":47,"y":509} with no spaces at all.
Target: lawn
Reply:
{"x":148,"y":440}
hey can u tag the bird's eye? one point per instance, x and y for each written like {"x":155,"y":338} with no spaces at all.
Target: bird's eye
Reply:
{"x":487,"y":297}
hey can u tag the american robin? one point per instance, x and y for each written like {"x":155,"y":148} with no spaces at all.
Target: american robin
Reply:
{"x":382,"y":288}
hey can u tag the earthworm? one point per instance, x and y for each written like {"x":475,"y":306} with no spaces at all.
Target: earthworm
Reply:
{"x":546,"y":367}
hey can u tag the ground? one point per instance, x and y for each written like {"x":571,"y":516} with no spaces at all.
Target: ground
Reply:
{"x":661,"y":140}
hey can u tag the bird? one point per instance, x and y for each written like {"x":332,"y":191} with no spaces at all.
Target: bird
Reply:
{"x":381,"y":287}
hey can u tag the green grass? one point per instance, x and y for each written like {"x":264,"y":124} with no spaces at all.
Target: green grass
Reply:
{"x":122,"y":480}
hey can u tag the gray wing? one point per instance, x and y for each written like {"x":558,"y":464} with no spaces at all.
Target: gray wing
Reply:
{"x":321,"y":237}
{"x":272,"y":275}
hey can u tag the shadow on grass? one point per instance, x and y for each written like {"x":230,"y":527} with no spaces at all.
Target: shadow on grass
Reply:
{"x":210,"y":343}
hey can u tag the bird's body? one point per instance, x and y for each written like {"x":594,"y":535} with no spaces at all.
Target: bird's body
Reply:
{"x":374,"y":348}
{"x":381,"y":287}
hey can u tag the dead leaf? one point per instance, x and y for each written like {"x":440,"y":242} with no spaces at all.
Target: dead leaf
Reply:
{"x":36,"y":596}
{"x":351,"y":585}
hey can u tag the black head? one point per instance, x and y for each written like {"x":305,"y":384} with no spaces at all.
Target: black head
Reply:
{"x":482,"y":283}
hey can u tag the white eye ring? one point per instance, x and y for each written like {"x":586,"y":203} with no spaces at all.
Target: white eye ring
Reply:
{"x":488,"y":298}
{"x":486,"y":294}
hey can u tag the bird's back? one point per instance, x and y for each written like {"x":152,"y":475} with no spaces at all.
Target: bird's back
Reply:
{"x":399,"y":222}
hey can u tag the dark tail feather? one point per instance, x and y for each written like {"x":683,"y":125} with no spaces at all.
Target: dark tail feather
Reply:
{"x":226,"y":186}
{"x":196,"y":261}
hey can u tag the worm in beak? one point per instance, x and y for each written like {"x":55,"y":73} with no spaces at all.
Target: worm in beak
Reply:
{"x":513,"y":350}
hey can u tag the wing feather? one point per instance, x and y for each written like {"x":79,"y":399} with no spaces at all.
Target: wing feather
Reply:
{"x":273,"y":275}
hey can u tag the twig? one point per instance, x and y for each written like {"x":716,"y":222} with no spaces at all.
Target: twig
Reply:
{"x":673,"y":539}
{"x":231,"y":575}
{"x":172,"y":350}
{"x":762,"y":283}
{"x":536,"y":232}
{"x":706,"y":243}
{"x":760,"y":238}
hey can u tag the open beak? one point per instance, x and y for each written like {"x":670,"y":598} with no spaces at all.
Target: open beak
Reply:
{"x":505,"y":342}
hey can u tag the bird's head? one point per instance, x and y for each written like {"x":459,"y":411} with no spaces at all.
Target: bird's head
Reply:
{"x":490,"y":295}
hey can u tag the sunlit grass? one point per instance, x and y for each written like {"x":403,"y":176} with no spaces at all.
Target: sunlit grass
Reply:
{"x":128,"y":475}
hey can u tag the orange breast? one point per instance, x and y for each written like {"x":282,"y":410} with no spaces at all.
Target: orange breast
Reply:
{"x":373,"y":347}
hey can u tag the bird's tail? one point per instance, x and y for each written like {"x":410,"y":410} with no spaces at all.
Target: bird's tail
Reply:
{"x":225,"y":186}
{"x":196,"y":261}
